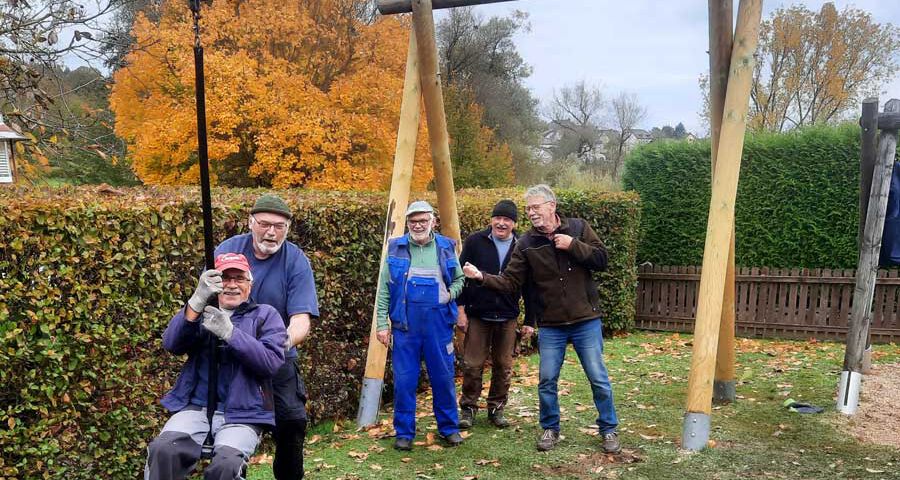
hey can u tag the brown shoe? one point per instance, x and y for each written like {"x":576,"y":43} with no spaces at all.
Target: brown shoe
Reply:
{"x":496,"y":417}
{"x":548,"y":440}
{"x":466,"y":418}
{"x":611,"y":443}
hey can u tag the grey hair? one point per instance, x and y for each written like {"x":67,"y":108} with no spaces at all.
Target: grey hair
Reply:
{"x":250,"y":276}
{"x":541,"y":190}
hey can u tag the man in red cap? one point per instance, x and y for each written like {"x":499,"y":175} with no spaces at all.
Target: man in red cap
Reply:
{"x":253,"y":338}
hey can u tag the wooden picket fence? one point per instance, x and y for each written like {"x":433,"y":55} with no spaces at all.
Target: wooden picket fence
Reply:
{"x":770,"y":302}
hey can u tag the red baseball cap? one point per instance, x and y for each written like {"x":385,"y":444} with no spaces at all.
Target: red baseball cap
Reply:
{"x":228,"y":261}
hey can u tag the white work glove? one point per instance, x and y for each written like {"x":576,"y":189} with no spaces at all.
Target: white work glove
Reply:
{"x":209,"y":285}
{"x":217,"y":322}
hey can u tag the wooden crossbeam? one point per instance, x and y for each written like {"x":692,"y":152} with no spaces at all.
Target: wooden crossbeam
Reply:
{"x":889,"y":121}
{"x":392,"y":7}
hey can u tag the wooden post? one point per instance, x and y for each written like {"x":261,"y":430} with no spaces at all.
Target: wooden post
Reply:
{"x":868,"y":140}
{"x":719,"y":227}
{"x":404,"y":155}
{"x":390,"y":7}
{"x":867,"y":269}
{"x":429,"y":77}
{"x":720,"y":45}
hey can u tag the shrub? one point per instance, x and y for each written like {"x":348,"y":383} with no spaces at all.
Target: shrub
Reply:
{"x":797,"y":199}
{"x":89,"y":278}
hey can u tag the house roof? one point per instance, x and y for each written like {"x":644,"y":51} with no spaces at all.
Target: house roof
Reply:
{"x":9,"y":133}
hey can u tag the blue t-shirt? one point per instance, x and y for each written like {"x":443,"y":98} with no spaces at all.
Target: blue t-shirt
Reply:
{"x":283,"y":280}
{"x":502,"y":247}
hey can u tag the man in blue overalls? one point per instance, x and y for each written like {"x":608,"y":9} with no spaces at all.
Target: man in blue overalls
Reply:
{"x":419,"y":283}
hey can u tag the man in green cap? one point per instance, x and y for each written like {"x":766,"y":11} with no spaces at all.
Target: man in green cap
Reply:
{"x":283,"y":279}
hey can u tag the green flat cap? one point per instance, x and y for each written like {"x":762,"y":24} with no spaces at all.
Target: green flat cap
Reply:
{"x":271,"y":204}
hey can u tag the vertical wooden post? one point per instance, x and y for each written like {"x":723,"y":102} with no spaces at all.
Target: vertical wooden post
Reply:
{"x":720,"y":45}
{"x":429,"y":76}
{"x":867,"y":269}
{"x":720,"y":225}
{"x":867,"y":144}
{"x":404,"y":155}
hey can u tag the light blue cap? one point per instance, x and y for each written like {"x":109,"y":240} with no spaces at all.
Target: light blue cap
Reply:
{"x":420,"y":206}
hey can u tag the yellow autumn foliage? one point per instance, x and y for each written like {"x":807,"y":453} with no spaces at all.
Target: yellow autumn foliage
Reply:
{"x":297,"y":94}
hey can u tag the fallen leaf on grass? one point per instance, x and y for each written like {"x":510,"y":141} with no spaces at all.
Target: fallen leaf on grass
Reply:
{"x":406,"y":459}
{"x":313,"y":439}
{"x":434,"y":447}
{"x":375,"y":466}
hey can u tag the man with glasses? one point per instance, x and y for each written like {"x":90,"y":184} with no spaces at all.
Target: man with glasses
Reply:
{"x":419,"y":282}
{"x":284,"y":280}
{"x":252,"y":351}
{"x":552,"y":263}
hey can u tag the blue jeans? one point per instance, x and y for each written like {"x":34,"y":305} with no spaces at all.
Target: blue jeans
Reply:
{"x":587,"y":338}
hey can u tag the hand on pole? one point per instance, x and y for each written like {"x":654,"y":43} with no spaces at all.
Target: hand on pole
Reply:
{"x":209,"y":285}
{"x":384,"y":336}
{"x":217,"y":322}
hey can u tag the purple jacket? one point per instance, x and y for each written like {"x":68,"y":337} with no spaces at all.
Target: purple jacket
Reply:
{"x":255,"y":349}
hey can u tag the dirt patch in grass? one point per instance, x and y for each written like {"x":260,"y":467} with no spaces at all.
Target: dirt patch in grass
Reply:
{"x":589,"y":465}
{"x":877,"y":421}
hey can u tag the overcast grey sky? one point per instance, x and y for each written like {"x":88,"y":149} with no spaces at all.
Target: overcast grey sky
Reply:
{"x":655,"y":49}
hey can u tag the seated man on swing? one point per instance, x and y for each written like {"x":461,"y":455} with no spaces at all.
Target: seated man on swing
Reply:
{"x":250,"y":352}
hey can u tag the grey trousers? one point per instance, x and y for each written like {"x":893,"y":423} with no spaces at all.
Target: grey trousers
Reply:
{"x":175,"y":452}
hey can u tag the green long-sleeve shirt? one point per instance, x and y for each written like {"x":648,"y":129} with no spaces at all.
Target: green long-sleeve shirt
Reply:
{"x":421,"y":256}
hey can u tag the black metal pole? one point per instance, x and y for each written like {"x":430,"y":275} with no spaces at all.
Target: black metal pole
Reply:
{"x":200,"y":91}
{"x":202,"y":152}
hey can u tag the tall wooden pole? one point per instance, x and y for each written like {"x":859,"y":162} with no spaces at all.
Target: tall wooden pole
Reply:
{"x":867,"y":269}
{"x":429,"y":76}
{"x":868,"y":140}
{"x":720,"y":225}
{"x":404,"y":155}
{"x":720,"y":45}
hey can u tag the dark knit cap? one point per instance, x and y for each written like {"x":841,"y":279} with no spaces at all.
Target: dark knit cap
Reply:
{"x":506,"y":208}
{"x":271,"y":204}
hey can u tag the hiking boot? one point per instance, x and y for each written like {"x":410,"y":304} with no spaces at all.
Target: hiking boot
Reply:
{"x":611,"y":443}
{"x":453,"y":440}
{"x":548,"y":440}
{"x":496,"y":417}
{"x":466,"y":418}
{"x":404,"y":444}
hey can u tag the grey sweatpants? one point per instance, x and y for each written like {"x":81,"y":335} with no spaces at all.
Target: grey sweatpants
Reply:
{"x":175,"y":452}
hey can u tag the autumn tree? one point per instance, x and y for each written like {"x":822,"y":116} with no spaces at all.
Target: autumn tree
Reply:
{"x":65,"y":120}
{"x":816,"y":67}
{"x":298,"y":94}
{"x":479,"y":55}
{"x":478,"y":158}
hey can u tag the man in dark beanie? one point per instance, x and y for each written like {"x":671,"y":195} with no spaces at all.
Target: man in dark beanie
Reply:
{"x":283,"y":279}
{"x":489,"y":318}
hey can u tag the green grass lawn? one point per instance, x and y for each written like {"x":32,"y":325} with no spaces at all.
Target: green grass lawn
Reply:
{"x":754,"y":438}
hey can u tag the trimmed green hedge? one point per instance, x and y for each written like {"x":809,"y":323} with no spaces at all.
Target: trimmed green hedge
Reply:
{"x":797,"y":201}
{"x":90,"y":277}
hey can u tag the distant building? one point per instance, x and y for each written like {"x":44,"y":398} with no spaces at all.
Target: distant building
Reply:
{"x":8,"y":138}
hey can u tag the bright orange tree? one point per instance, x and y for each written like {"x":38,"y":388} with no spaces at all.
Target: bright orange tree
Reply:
{"x":298,"y":94}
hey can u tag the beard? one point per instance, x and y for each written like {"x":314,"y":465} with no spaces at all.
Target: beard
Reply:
{"x":420,"y":238}
{"x":266,"y":247}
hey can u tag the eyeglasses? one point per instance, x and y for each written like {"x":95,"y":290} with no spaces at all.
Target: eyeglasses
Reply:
{"x":535,"y":207}
{"x":240,"y":280}
{"x":265,"y":226}
{"x":420,"y":223}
